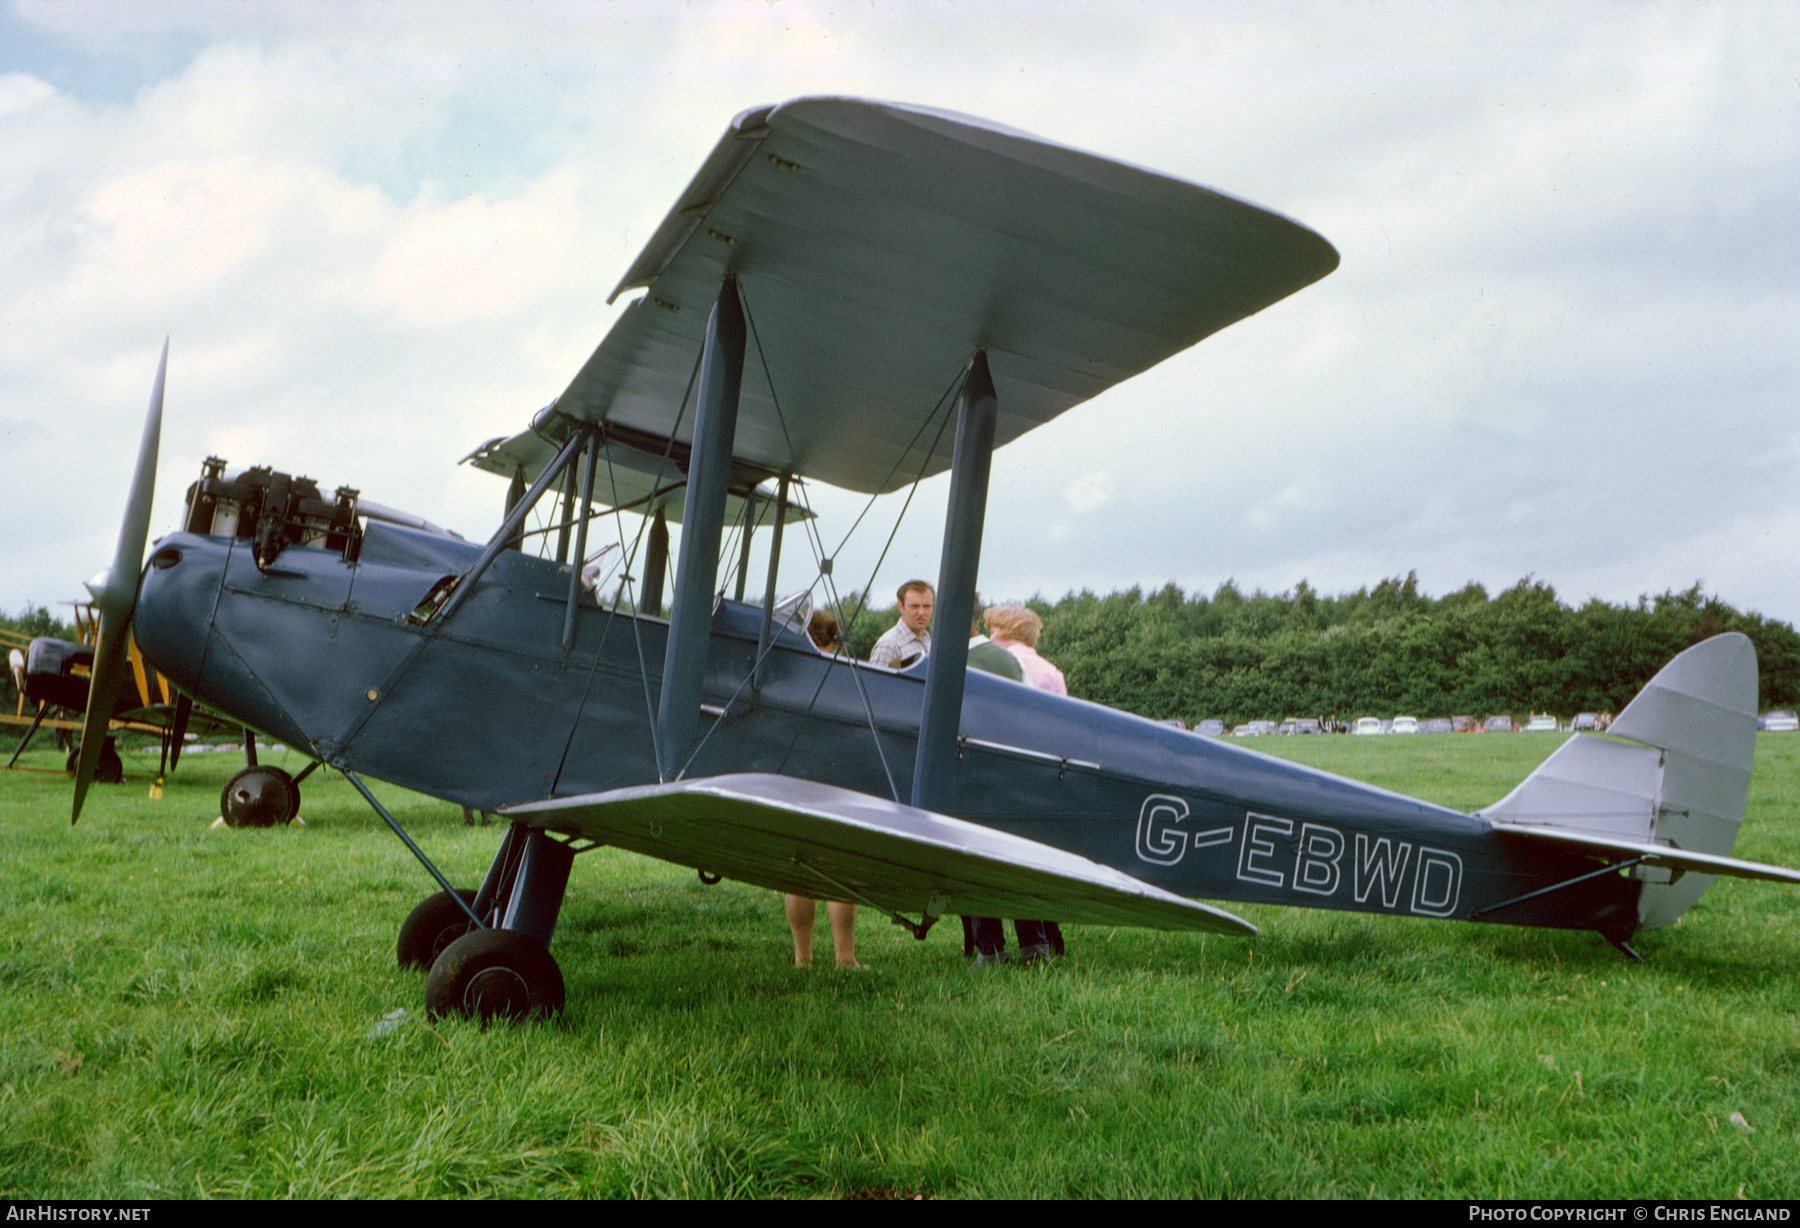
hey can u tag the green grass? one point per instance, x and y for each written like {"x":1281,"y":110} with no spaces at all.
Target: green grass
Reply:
{"x":186,"y":1012}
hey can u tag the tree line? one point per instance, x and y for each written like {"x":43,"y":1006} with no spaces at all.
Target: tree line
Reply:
{"x":1380,"y":651}
{"x":1377,"y":651}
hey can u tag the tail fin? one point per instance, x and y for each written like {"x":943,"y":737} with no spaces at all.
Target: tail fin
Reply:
{"x":1681,"y":780}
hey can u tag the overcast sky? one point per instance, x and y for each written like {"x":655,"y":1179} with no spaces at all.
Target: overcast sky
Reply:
{"x":1563,"y":339}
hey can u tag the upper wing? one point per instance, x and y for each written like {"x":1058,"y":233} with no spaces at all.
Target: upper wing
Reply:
{"x":879,"y":246}
{"x":817,"y":840}
{"x":636,"y":475}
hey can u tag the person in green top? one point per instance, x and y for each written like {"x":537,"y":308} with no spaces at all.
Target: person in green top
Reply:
{"x":988,"y":656}
{"x":987,"y":935}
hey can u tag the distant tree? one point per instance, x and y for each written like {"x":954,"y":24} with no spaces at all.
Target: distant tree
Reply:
{"x":1386,"y":649}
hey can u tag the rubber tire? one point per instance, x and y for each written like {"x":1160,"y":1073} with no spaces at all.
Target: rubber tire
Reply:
{"x":109,"y":769}
{"x":494,"y":974}
{"x":431,"y":927}
{"x":261,"y":796}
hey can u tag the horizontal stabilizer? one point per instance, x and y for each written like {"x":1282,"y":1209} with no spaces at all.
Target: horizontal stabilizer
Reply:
{"x":1660,"y":854}
{"x":817,"y":840}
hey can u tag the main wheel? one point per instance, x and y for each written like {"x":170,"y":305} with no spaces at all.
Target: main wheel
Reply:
{"x":494,"y":974}
{"x":260,"y":796}
{"x":431,"y":927}
{"x":109,"y":771}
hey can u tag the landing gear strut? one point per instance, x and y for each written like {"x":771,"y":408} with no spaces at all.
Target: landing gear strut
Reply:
{"x":488,"y":949}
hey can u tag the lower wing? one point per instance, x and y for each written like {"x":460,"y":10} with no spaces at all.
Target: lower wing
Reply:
{"x":817,"y":840}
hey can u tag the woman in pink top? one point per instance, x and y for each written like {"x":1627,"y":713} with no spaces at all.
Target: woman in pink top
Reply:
{"x":1016,"y":629}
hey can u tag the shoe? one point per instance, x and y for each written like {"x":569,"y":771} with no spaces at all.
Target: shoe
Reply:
{"x":1037,"y":953}
{"x":985,"y":960}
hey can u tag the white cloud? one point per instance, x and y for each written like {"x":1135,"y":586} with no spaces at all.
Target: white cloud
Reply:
{"x":21,"y":91}
{"x":476,"y":260}
{"x":1090,"y":492}
{"x":382,"y":233}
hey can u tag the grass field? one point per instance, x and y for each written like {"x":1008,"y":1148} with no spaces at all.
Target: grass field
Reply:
{"x":188,"y":1013}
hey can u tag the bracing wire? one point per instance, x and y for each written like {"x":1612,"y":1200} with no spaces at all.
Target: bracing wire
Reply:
{"x":632,"y":553}
{"x":816,"y":542}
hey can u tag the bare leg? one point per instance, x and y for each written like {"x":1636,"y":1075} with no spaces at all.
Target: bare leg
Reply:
{"x":843,"y":932}
{"x":800,"y":913}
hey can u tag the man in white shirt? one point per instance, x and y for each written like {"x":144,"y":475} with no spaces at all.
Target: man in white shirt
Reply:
{"x":910,"y":638}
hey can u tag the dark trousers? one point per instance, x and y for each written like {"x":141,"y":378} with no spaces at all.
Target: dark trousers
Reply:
{"x":990,"y":934}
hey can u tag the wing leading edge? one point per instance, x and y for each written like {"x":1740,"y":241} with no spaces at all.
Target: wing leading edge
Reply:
{"x":803,"y":837}
{"x":878,"y":246}
{"x":634,"y":476}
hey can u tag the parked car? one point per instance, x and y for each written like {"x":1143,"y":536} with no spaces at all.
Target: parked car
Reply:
{"x":1406,"y":724}
{"x":1587,"y":722}
{"x":1438,"y":724}
{"x":1541,"y":723}
{"x":1307,"y":724}
{"x":1210,"y":729}
{"x":1781,"y":721}
{"x":1499,"y":724}
{"x":1464,"y":724}
{"x":1369,"y":725}
{"x":1286,"y":727}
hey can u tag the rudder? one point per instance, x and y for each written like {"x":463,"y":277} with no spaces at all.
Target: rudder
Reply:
{"x":1681,"y":778}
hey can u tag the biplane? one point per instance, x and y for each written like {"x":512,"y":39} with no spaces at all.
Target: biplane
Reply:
{"x":54,"y":676}
{"x":860,"y":294}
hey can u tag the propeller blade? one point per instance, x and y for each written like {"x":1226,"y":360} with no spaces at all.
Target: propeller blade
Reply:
{"x":116,"y":595}
{"x":184,"y":709}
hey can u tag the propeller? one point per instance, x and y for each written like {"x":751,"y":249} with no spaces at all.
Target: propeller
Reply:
{"x":115,"y":592}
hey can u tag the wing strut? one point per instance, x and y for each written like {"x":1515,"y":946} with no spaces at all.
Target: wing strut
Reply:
{"x":702,"y":524}
{"x":977,"y":412}
{"x":749,"y":531}
{"x":581,"y":532}
{"x":768,"y":606}
{"x":506,"y":537}
{"x":656,"y":565}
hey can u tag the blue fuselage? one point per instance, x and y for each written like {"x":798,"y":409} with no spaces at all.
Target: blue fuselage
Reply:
{"x":489,"y":710}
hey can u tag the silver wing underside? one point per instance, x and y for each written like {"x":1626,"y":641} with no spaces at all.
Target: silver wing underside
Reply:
{"x":817,"y":840}
{"x":633,"y":478}
{"x":879,"y":246}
